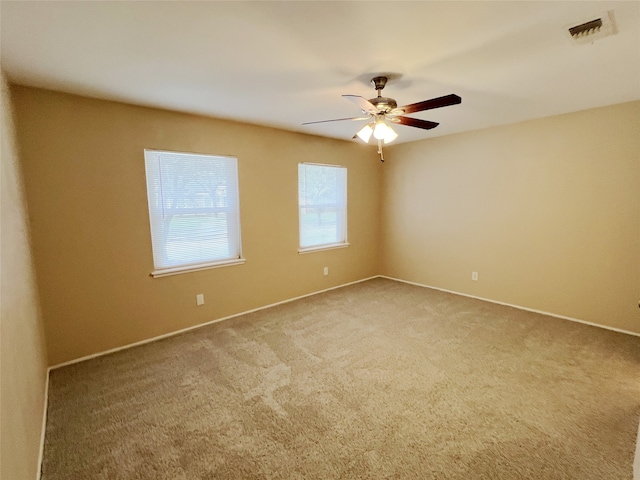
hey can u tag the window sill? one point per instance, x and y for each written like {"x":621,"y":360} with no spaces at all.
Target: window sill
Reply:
{"x":320,"y":248}
{"x":194,"y":268}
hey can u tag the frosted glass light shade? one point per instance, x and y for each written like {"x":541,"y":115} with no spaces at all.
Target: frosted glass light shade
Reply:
{"x":380,"y":131}
{"x":365,"y":133}
{"x":390,"y":135}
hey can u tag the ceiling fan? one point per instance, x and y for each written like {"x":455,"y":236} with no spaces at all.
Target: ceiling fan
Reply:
{"x":382,"y":111}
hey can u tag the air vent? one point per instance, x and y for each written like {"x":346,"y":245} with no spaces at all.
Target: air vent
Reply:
{"x":593,"y":29}
{"x":589,"y":28}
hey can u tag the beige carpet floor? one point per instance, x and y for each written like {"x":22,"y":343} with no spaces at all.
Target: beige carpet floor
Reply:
{"x":375,"y":380}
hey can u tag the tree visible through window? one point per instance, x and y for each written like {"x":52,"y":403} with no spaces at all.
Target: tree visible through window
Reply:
{"x":193,"y":209}
{"x":322,"y":203}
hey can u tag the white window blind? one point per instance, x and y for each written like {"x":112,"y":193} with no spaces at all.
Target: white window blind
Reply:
{"x":193,"y":210}
{"x":322,"y":203}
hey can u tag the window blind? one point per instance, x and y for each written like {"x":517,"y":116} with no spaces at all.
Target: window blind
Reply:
{"x":322,"y":203}
{"x":193,"y":209}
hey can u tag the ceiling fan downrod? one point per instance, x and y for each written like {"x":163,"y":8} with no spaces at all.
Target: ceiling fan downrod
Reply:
{"x":379,"y":83}
{"x":383,"y":104}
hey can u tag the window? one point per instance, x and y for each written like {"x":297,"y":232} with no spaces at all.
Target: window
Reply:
{"x":322,"y":204}
{"x":193,"y":210}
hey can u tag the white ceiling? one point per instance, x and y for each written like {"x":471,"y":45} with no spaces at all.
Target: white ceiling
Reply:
{"x":285,"y":63}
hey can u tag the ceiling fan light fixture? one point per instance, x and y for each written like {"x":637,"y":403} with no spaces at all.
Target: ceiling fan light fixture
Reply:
{"x":381,"y":111}
{"x":365,"y":133}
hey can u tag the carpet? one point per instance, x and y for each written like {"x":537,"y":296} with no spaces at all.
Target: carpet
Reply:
{"x":374,"y":380}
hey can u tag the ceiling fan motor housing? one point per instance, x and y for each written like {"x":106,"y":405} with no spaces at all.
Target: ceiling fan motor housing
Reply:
{"x":383,"y":104}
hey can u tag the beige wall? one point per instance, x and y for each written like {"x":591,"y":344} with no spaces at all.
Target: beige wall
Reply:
{"x":547,"y":211}
{"x":23,"y":362}
{"x":85,"y":183}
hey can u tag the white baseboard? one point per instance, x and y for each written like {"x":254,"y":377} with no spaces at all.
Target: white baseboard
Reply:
{"x":636,"y":462}
{"x":43,"y":430}
{"x":177,"y":332}
{"x":200,"y":325}
{"x":124,"y":347}
{"x":542,"y":312}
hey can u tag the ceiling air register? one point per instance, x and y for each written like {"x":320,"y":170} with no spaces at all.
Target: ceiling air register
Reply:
{"x":593,"y":29}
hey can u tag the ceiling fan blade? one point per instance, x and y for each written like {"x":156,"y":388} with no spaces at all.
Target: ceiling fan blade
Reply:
{"x":365,"y":105}
{"x":415,"y":122}
{"x":337,"y":120}
{"x":439,"y":102}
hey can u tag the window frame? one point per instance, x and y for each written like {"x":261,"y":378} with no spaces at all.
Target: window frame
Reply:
{"x":152,"y":161}
{"x":342,"y":208}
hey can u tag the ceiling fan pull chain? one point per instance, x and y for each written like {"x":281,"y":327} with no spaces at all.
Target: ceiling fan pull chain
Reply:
{"x":380,"y":151}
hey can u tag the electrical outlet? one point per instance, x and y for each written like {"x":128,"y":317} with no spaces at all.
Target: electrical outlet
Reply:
{"x":326,"y":270}
{"x":200,"y":299}
{"x":474,"y":276}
